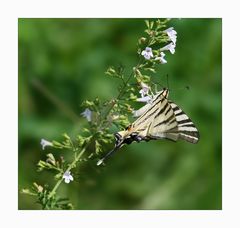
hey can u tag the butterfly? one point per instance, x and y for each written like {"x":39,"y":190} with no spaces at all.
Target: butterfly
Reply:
{"x":158,"y":119}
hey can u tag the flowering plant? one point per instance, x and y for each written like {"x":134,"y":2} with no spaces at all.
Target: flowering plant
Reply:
{"x":89,"y":144}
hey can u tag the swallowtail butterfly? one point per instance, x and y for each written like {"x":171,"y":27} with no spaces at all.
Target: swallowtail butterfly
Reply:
{"x":159,"y":119}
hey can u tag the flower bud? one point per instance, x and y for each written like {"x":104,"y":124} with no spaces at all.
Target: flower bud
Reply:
{"x":142,"y":40}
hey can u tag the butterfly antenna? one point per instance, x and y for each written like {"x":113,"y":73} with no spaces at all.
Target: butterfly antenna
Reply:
{"x":168,"y":83}
{"x":185,"y":87}
{"x":181,"y":88}
{"x":111,"y":152}
{"x":155,"y":83}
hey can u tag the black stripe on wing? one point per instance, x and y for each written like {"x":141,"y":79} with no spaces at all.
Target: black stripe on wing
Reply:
{"x":162,"y":110}
{"x":145,"y":116}
{"x":167,"y":121}
{"x":186,"y":128}
{"x":161,"y":97}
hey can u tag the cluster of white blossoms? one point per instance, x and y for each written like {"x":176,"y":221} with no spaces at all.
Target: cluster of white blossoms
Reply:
{"x":172,"y":36}
{"x":144,"y":93}
{"x":148,"y":54}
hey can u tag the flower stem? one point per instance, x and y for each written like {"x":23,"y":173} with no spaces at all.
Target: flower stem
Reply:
{"x":73,"y":164}
{"x":121,"y":93}
{"x":54,"y":189}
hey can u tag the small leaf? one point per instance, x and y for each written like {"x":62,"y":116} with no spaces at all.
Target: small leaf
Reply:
{"x":85,"y":130}
{"x":106,"y":141}
{"x":27,"y":192}
{"x":37,"y":187}
{"x":147,"y":23}
{"x":51,"y":159}
{"x":142,"y":40}
{"x":87,"y":104}
{"x":150,"y":69}
{"x":110,"y":71}
{"x":151,"y":24}
{"x":57,"y":144}
{"x":65,"y":135}
{"x":132,"y":97}
{"x":58,"y":176}
{"x":98,"y":147}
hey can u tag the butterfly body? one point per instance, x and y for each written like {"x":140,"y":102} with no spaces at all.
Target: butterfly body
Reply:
{"x":159,"y":119}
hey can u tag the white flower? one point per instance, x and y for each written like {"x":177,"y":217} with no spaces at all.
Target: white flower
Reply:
{"x":144,"y":99}
{"x":45,"y":143}
{"x":170,"y":47}
{"x":87,"y":114}
{"x":172,"y":34}
{"x":161,"y":58}
{"x":67,"y":177}
{"x":144,"y":90}
{"x":147,"y":53}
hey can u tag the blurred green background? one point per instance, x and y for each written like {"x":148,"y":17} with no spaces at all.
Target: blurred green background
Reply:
{"x":62,"y":62}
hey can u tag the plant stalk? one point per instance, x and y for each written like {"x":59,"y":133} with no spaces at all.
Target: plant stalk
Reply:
{"x":68,"y":169}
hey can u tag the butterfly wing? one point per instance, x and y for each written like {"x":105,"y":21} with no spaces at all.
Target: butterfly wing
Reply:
{"x":164,"y":124}
{"x":186,"y":128}
{"x":157,"y":120}
{"x":145,"y":108}
{"x":173,"y":124}
{"x":146,"y":115}
{"x":142,"y":110}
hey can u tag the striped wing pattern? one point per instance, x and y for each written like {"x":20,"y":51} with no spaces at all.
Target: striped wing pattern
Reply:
{"x":143,"y":124}
{"x":163,"y":119}
{"x":164,"y":123}
{"x":186,"y":128}
{"x":146,"y":107}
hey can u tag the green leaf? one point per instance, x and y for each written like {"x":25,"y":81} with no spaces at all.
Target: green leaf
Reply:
{"x":147,"y":23}
{"x":98,"y":147}
{"x":27,"y":192}
{"x":151,"y":24}
{"x":111,"y":71}
{"x":85,"y":130}
{"x":51,"y":159}
{"x":58,"y":176}
{"x":132,"y":97}
{"x":57,"y":144}
{"x":150,"y":69}
{"x":65,"y":135}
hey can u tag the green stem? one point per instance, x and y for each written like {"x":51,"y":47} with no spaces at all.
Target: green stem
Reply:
{"x":118,"y":97}
{"x":121,"y":92}
{"x":54,"y":189}
{"x":68,"y":169}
